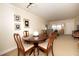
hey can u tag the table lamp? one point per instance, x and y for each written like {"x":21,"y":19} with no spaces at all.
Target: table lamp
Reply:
{"x":35,"y":34}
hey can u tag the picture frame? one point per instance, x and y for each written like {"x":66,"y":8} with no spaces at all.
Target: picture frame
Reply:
{"x":26,"y":23}
{"x":17,"y":17}
{"x":17,"y":26}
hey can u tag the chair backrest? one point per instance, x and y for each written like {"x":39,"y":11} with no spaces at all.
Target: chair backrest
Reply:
{"x":51,"y":40}
{"x":18,"y":41}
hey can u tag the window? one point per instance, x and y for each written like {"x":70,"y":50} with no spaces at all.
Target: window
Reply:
{"x":57,"y":26}
{"x":54,"y":27}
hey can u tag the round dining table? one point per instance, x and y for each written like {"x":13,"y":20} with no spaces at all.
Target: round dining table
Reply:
{"x":35,"y":40}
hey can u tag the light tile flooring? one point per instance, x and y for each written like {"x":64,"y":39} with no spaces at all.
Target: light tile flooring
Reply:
{"x":64,"y":45}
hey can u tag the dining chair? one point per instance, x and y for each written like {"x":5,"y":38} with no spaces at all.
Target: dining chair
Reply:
{"x":20,"y":46}
{"x":47,"y":46}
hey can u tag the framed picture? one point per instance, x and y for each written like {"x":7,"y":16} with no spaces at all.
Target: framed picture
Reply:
{"x":17,"y":27}
{"x":17,"y":18}
{"x":26,"y":22}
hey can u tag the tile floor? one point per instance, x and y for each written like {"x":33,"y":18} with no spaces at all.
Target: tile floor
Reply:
{"x":64,"y":45}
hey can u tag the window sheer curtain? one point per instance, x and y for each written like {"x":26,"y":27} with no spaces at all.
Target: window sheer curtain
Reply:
{"x":57,"y":26}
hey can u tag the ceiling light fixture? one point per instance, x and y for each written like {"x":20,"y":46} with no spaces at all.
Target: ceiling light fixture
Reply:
{"x":29,"y":5}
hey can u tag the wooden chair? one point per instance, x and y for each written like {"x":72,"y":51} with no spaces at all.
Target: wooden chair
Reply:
{"x":21,"y":48}
{"x":47,"y":46}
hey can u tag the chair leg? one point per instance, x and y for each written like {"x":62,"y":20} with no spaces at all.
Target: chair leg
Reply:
{"x":38,"y":50}
{"x":24,"y":54}
{"x":34,"y":52}
{"x":46,"y":53}
{"x":31,"y":51}
{"x":52,"y":51}
{"x":18,"y":52}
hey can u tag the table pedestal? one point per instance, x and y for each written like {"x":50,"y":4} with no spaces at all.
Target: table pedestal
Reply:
{"x":33,"y":50}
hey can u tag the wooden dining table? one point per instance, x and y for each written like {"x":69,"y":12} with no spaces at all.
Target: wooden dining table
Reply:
{"x":35,"y":40}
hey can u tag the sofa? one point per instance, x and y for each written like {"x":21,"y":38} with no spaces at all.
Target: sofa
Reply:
{"x":75,"y":34}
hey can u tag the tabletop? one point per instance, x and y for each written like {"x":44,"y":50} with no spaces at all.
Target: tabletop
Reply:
{"x":33,"y":39}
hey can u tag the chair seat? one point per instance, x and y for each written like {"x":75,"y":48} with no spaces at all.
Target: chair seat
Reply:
{"x":28,"y":46}
{"x":44,"y":44}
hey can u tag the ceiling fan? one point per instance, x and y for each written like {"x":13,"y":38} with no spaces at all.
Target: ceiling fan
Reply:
{"x":29,"y":5}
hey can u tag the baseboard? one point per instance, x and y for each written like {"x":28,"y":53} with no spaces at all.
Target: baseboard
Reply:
{"x":68,"y":34}
{"x":6,"y":51}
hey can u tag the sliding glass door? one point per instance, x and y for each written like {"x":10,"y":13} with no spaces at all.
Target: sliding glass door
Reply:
{"x":59,"y":28}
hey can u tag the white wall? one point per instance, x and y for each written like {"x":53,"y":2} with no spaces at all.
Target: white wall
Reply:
{"x":6,"y":27}
{"x":7,"y":12}
{"x":69,"y":25}
{"x":76,"y":22}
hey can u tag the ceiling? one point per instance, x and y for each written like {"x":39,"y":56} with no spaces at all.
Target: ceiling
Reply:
{"x":52,"y":11}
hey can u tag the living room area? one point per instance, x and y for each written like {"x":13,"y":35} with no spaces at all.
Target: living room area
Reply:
{"x":36,"y":18}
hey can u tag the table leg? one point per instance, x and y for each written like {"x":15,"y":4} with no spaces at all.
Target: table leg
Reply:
{"x":36,"y":47}
{"x":38,"y":50}
{"x":31,"y":51}
{"x":34,"y":52}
